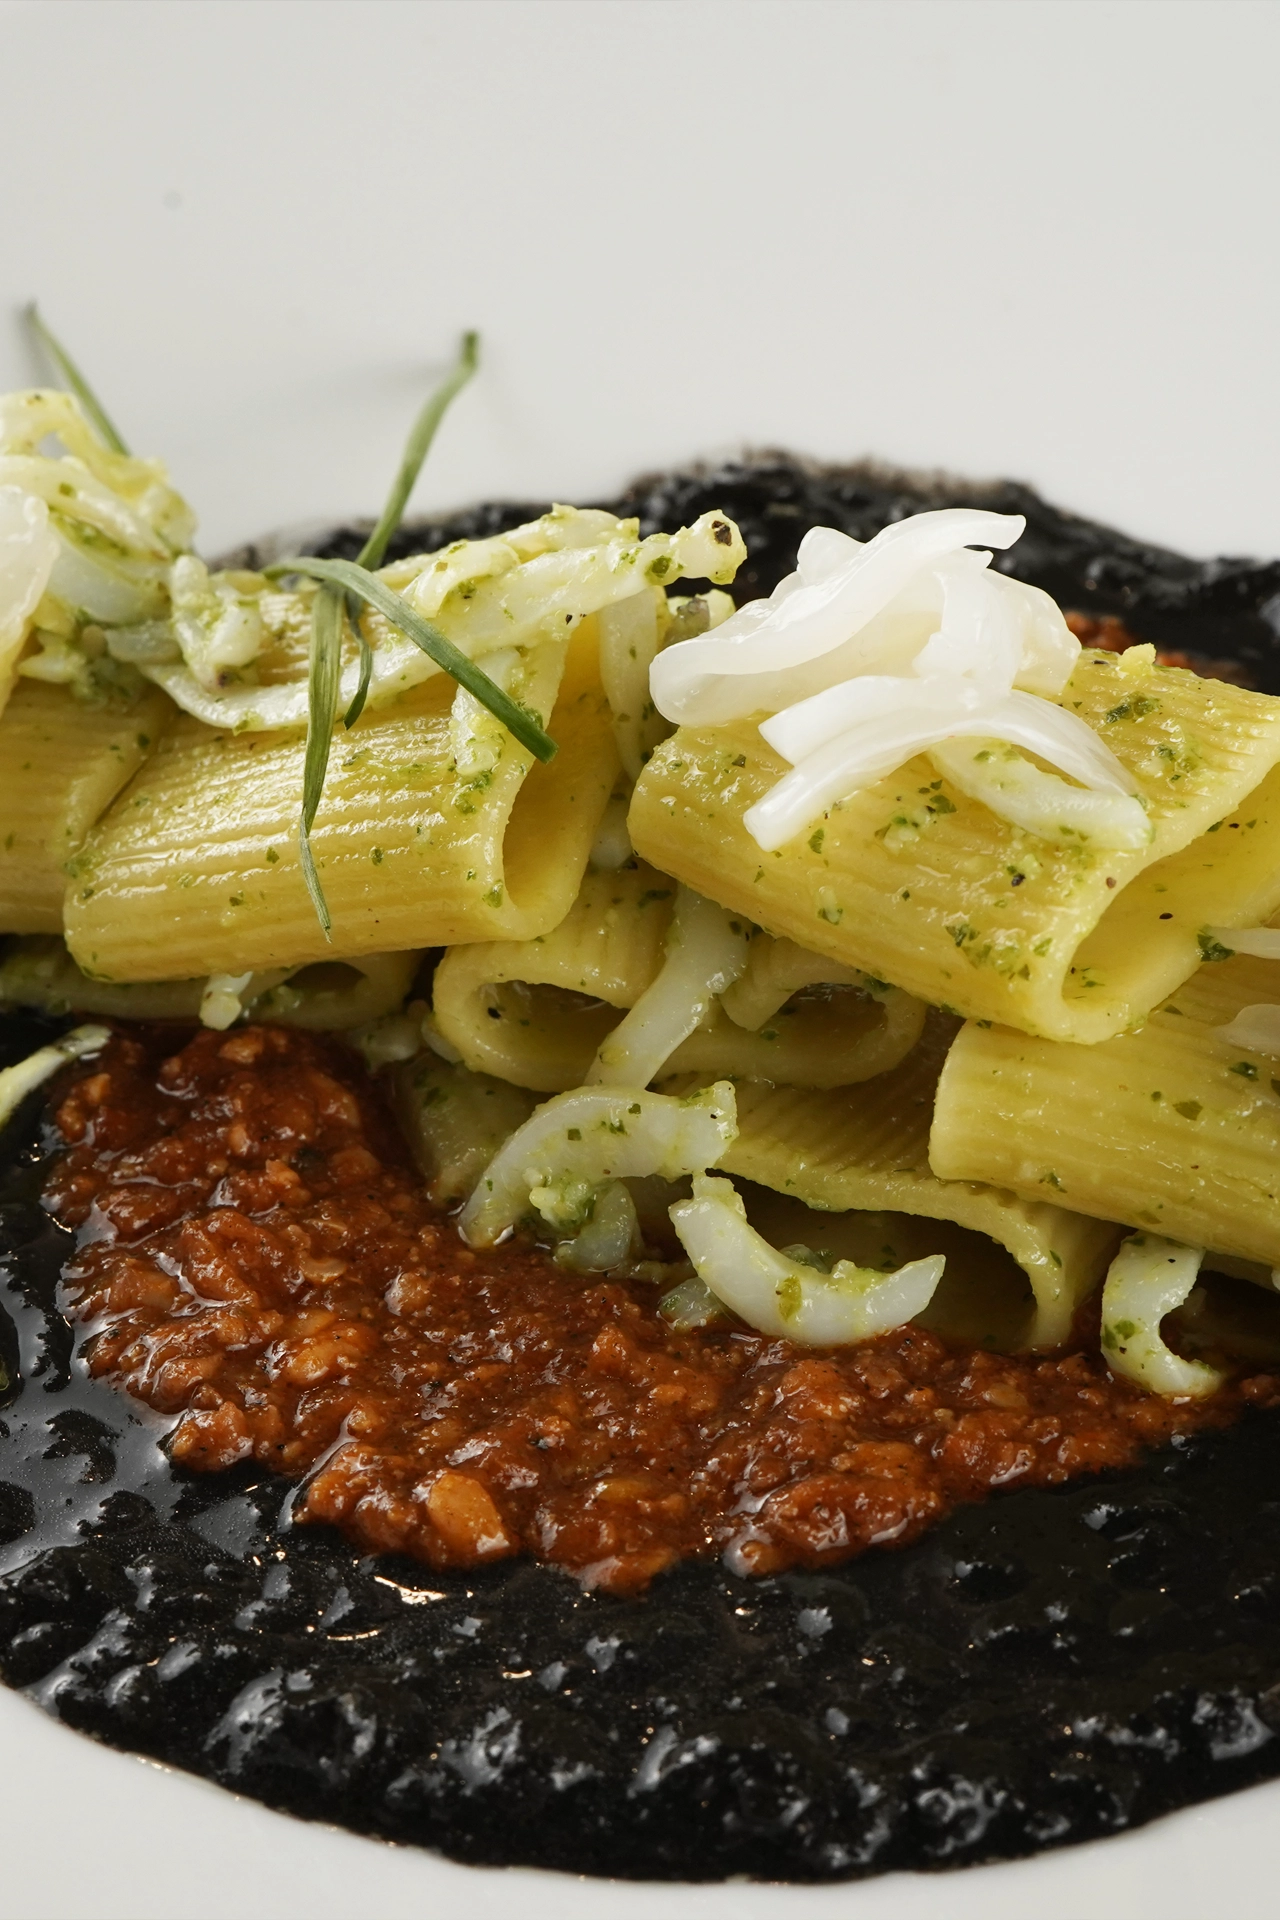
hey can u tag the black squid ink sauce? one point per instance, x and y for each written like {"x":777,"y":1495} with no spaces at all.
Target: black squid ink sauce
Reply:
{"x":1047,"y":1667}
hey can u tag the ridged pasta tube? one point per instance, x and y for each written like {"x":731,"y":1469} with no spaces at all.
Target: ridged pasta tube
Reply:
{"x":195,"y":870}
{"x":785,"y":1297}
{"x":1174,"y":1128}
{"x":572,"y":1146}
{"x":865,"y":1148}
{"x":63,"y":760}
{"x":535,"y":1012}
{"x":328,"y":997}
{"x":916,"y":883}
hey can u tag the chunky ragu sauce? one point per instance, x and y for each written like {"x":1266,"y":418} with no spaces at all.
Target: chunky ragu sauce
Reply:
{"x":257,"y":1258}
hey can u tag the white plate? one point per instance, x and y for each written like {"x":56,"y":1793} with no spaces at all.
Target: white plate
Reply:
{"x":1027,"y":240}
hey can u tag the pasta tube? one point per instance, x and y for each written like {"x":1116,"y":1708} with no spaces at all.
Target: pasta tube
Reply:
{"x":195,"y":870}
{"x":866,"y":1148}
{"x":537,"y":1012}
{"x":1174,"y":1129}
{"x":62,"y":762}
{"x":331,"y":996}
{"x":919,"y":883}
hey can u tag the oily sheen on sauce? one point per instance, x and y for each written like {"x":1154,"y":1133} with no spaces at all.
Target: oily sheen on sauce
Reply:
{"x":259,"y":1261}
{"x":1047,"y":1665}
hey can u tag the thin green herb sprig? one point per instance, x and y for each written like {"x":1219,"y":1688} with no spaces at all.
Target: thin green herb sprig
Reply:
{"x":366,"y":586}
{"x":324,"y":674}
{"x":416,"y":449}
{"x":342,"y":580}
{"x":346,"y":585}
{"x":70,"y":372}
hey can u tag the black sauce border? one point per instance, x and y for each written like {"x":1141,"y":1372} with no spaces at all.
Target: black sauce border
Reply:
{"x":1050,"y":1667}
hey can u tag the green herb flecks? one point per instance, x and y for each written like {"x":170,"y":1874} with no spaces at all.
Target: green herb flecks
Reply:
{"x":355,"y":579}
{"x":70,"y":372}
{"x":347,"y":586}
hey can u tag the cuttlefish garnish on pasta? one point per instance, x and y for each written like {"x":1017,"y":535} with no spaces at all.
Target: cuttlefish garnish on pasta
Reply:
{"x":903,"y":759}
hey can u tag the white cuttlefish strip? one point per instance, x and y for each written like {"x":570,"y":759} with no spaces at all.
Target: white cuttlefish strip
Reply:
{"x":782,"y":1297}
{"x":1256,"y":1028}
{"x":838,"y":590}
{"x":896,"y":648}
{"x":25,"y":1076}
{"x":868,"y":750}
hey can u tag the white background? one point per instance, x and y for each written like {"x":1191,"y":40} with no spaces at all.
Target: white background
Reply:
{"x":1019,"y":237}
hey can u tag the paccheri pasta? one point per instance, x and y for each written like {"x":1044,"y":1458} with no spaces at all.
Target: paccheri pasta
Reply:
{"x":792,"y":1209}
{"x":1173,"y":1129}
{"x":915,"y":879}
{"x":980,"y":816}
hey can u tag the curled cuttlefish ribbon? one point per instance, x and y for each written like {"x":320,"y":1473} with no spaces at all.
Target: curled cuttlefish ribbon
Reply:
{"x":871,"y":653}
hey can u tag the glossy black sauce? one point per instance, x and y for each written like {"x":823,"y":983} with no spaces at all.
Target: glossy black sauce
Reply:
{"x":1049,"y":1667}
{"x":1219,"y":609}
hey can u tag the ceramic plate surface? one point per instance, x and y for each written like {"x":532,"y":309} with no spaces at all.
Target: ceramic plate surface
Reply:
{"x":1035,"y":241}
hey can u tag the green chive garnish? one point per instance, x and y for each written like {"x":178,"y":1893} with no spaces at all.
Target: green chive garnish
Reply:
{"x":323,"y":675}
{"x":366,"y":586}
{"x":343,"y":581}
{"x":416,"y":449}
{"x":71,"y":373}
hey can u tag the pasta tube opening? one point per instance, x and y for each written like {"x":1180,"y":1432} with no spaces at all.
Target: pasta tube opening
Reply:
{"x":195,"y":869}
{"x":327,"y":996}
{"x":537,"y":1013}
{"x":917,"y":882}
{"x":63,"y":760}
{"x":865,"y":1150}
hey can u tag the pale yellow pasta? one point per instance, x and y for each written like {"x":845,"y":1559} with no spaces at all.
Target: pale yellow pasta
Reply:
{"x":62,"y":762}
{"x":866,"y":1148}
{"x":454,"y":1121}
{"x":327,"y":995}
{"x":919,"y":884}
{"x":1173,"y":1128}
{"x":195,"y":870}
{"x":535,"y":1012}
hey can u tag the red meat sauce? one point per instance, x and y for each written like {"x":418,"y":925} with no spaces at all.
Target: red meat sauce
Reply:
{"x":256,"y":1258}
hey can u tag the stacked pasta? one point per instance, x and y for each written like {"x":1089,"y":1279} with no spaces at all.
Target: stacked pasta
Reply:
{"x":881,"y":899}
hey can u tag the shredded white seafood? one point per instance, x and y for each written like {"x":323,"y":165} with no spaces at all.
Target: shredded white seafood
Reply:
{"x":1148,"y":1278}
{"x":28,"y":549}
{"x":517,"y":591}
{"x":87,"y":538}
{"x":577,"y":1143}
{"x":1256,"y":1029}
{"x":870,"y":654}
{"x":25,"y":1076}
{"x":1262,"y":942}
{"x":787,"y":1295}
{"x":1009,"y":784}
{"x":706,"y":951}
{"x":96,"y":571}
